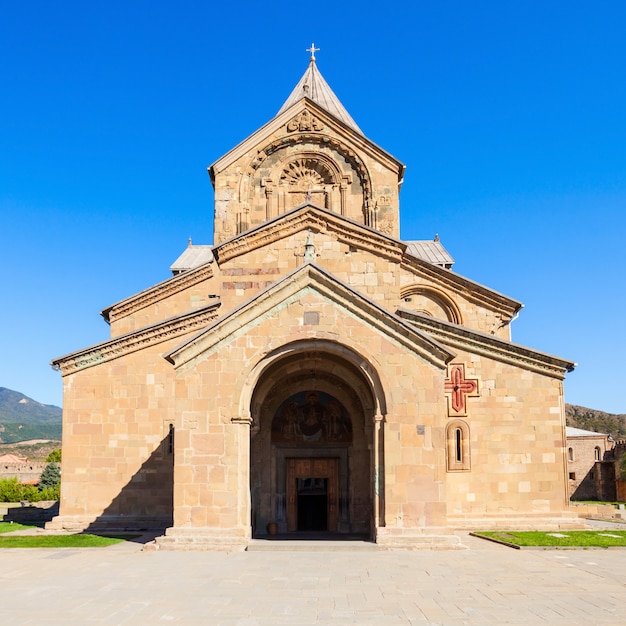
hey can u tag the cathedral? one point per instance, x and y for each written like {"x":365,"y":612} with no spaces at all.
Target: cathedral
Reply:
{"x":310,"y":373}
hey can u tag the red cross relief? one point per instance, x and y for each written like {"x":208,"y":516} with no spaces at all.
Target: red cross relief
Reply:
{"x":460,"y":388}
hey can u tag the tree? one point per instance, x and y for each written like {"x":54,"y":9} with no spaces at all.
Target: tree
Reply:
{"x":54,"y":456}
{"x":51,"y":476}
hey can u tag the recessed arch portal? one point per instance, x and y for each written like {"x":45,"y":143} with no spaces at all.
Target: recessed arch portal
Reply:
{"x":314,"y":417}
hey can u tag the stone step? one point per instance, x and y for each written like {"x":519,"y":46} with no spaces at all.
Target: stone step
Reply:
{"x":314,"y":545}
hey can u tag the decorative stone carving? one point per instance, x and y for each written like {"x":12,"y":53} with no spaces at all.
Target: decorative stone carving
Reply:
{"x":306,"y":173}
{"x":304,"y":122}
{"x":458,"y":389}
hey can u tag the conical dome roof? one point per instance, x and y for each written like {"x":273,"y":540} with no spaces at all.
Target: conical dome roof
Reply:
{"x":313,"y":86}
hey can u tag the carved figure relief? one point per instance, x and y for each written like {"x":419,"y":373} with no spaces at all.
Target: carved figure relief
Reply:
{"x":311,"y":417}
{"x":304,"y":122}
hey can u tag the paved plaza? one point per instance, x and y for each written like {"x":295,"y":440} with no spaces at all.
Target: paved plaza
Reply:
{"x":483,"y":584}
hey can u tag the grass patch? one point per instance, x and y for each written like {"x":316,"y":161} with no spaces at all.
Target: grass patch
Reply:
{"x":615,"y":504}
{"x":9,"y":527}
{"x":560,"y":539}
{"x":62,"y":541}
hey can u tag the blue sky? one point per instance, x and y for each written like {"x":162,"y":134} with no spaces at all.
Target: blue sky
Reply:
{"x":510,"y":118}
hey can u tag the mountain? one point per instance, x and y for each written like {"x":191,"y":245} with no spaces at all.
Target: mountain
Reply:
{"x":22,"y":418}
{"x":596,"y":421}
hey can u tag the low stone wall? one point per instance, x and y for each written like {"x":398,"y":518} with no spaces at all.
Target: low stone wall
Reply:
{"x":25,"y":472}
{"x":31,"y":513}
{"x":598,"y":511}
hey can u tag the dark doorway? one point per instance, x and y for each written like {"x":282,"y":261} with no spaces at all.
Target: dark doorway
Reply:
{"x":312,"y":494}
{"x":312,"y":504}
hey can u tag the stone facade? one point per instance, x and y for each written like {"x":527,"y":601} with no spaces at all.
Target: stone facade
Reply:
{"x":314,"y":373}
{"x":21,"y":468}
{"x":590,"y":470}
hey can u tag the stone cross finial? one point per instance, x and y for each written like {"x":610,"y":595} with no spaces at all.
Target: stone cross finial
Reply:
{"x":312,"y":50}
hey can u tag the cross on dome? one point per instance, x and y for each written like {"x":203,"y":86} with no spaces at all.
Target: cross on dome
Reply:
{"x":312,"y":50}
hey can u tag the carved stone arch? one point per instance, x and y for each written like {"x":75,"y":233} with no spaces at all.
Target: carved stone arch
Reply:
{"x":312,"y":403}
{"x":432,"y":302}
{"x":299,"y":356}
{"x":254,"y":174}
{"x":307,"y":177}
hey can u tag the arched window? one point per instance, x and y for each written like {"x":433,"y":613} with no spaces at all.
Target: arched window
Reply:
{"x":597,"y":453}
{"x":457,"y":446}
{"x":570,"y":454}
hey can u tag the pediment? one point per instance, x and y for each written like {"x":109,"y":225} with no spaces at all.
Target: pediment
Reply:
{"x":309,"y":217}
{"x":137,"y":340}
{"x":308,"y":280}
{"x":305,"y":119}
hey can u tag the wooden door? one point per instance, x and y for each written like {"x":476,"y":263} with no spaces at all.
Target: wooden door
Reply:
{"x":327,"y":468}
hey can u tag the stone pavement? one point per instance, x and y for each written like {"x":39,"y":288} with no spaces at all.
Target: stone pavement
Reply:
{"x":485,"y":584}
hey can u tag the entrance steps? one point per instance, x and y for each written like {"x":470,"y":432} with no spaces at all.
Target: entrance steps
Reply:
{"x":310,"y":545}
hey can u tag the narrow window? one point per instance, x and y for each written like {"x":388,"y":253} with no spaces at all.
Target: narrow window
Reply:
{"x":170,"y":440}
{"x":457,"y":446}
{"x":570,"y":454}
{"x":597,"y":453}
{"x":458,"y":440}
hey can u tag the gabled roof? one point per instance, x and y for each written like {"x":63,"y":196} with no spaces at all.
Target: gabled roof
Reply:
{"x":302,"y":280}
{"x":12,"y":459}
{"x":310,"y":216}
{"x":431,"y":251}
{"x":313,"y":86}
{"x":357,"y":141}
{"x":136,"y":340}
{"x":463,"y":338}
{"x":179,"y":282}
{"x":192,"y":257}
{"x":570,"y":431}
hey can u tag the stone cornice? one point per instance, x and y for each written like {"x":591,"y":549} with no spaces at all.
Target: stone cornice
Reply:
{"x":465,"y":287}
{"x":492,"y":347}
{"x":136,"y":340}
{"x":158,"y":292}
{"x":311,"y":217}
{"x":306,"y":279}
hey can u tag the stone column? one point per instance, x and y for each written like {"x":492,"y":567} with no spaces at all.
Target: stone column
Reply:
{"x":243,"y":486}
{"x":377,"y":471}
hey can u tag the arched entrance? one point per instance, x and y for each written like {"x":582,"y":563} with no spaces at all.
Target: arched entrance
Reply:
{"x":312,"y":444}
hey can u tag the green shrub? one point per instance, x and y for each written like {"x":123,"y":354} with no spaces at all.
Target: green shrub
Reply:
{"x":11,"y":490}
{"x":50,"y":493}
{"x":54,"y":456}
{"x":51,"y":476}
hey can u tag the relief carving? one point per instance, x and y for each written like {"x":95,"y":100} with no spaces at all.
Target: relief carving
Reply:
{"x":304,"y":122}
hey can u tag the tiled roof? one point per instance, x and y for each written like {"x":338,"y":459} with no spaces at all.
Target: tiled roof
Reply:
{"x":313,"y":86}
{"x":11,"y":459}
